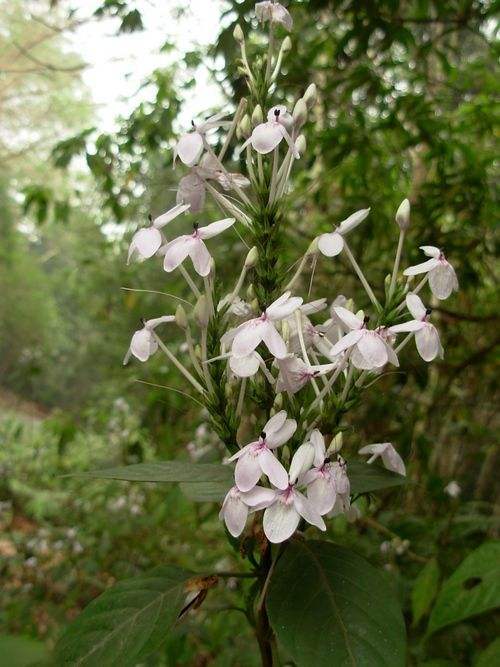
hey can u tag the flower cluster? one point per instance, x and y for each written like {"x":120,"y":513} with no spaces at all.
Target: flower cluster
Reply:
{"x":261,"y":354}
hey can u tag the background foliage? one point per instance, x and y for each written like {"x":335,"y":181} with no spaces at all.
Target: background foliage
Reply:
{"x":406,"y":107}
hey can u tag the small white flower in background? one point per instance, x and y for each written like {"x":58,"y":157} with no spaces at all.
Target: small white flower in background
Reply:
{"x":295,"y":373}
{"x":442,"y":277}
{"x":390,"y":457}
{"x":177,"y":250}
{"x":426,"y":334}
{"x":257,"y":458}
{"x":190,"y":146}
{"x":369,"y":349}
{"x":249,"y":335}
{"x":282,"y":517}
{"x":274,"y":12}
{"x":266,"y":136}
{"x":332,"y":243}
{"x":453,"y":489}
{"x":147,"y":241}
{"x":143,"y":344}
{"x":235,"y":508}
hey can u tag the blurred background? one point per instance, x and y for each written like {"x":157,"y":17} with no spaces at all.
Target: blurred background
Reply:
{"x":92,"y":96}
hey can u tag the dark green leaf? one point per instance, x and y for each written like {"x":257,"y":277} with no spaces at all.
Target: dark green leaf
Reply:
{"x":127,"y":622}
{"x":472,"y":589}
{"x":166,"y":471}
{"x":205,"y":491}
{"x":490,"y":656}
{"x":365,"y":478}
{"x":328,"y":607}
{"x":21,"y":651}
{"x":424,"y":590}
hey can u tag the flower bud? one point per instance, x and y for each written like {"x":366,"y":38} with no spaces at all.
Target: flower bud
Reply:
{"x":300,"y":112}
{"x":228,"y":390}
{"x":336,"y":444}
{"x":285,"y":331}
{"x":238,"y":34}
{"x":257,"y":116}
{"x":301,"y":144}
{"x":254,"y":304}
{"x":349,"y":304}
{"x":403,"y":215}
{"x":197,"y":351}
{"x":202,"y":311}
{"x":181,"y":317}
{"x":278,"y":402}
{"x":251,"y":258}
{"x":250,"y":292}
{"x":310,"y":96}
{"x":245,"y":127}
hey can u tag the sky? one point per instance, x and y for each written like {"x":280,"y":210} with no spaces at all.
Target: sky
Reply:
{"x":118,"y":65}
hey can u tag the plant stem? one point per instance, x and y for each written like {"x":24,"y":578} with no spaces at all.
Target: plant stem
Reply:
{"x":178,"y":365}
{"x":362,"y":278}
{"x":396,"y":264}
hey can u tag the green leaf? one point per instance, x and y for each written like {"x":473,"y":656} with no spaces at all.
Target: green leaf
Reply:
{"x":365,"y":478}
{"x":424,"y":590}
{"x":22,"y":651}
{"x":472,"y":589}
{"x":127,"y":622}
{"x":165,"y":471}
{"x":328,"y":606}
{"x":490,"y":656}
{"x":202,"y":492}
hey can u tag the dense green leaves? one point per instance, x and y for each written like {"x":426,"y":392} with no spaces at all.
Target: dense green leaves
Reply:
{"x":165,"y":471}
{"x":365,"y":478}
{"x":472,"y":589}
{"x":127,"y":622}
{"x":424,"y":590}
{"x":330,"y":607}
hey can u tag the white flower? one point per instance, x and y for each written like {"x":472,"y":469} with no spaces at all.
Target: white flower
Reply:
{"x":442,"y":277}
{"x":369,"y":349}
{"x":453,"y":489}
{"x":327,"y":481}
{"x":390,"y":457}
{"x":282,"y":517}
{"x":245,"y":367}
{"x":295,"y":373}
{"x":192,"y":191}
{"x":312,"y":452}
{"x":274,"y":12}
{"x":143,"y":344}
{"x":190,"y":146}
{"x":249,"y":335}
{"x":177,"y":250}
{"x":426,"y":334}
{"x":235,"y":508}
{"x":147,"y":241}
{"x":266,"y":136}
{"x":257,"y":457}
{"x":332,"y":244}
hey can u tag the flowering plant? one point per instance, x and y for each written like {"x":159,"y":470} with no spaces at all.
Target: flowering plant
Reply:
{"x":271,"y":375}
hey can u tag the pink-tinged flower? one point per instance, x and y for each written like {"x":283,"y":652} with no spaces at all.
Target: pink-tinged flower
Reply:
{"x":327,"y":481}
{"x":177,"y":250}
{"x":295,"y":373}
{"x":282,"y":517}
{"x":249,"y":335}
{"x":245,"y":367}
{"x":266,"y":136}
{"x":390,"y":457}
{"x":311,"y":452}
{"x":237,"y":504}
{"x":332,"y":243}
{"x":368,"y":347}
{"x":442,"y":277}
{"x":190,"y":146}
{"x":359,"y":361}
{"x":143,"y":344}
{"x":192,"y":191}
{"x":147,"y":241}
{"x":309,"y":331}
{"x":257,"y":458}
{"x":426,"y":334}
{"x":272,"y":11}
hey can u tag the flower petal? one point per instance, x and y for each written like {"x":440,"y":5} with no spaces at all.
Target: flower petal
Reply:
{"x":373,"y":349}
{"x":321,"y":494}
{"x":274,"y":342}
{"x":247,"y":472}
{"x":353,"y":221}
{"x":200,"y":257}
{"x":442,"y":280}
{"x":302,"y":460}
{"x":168,"y":216}
{"x":275,"y":423}
{"x":430,"y":250}
{"x":259,"y":497}
{"x":277,"y":438}
{"x":245,"y":367}
{"x":346,"y":342}
{"x":393,"y":461}
{"x":143,"y":345}
{"x":330,"y":244}
{"x":191,"y":191}
{"x":307,"y":511}
{"x":280,"y":521}
{"x":146,"y":242}
{"x":348,"y":318}
{"x":235,"y":514}
{"x":248,"y":336}
{"x":215,"y":228}
{"x":176,"y":252}
{"x":415,"y":306}
{"x":427,"y":342}
{"x":282,"y":308}
{"x":424,"y":267}
{"x":318,"y":442}
{"x":189,"y":148}
{"x":274,"y":470}
{"x":407,"y":327}
{"x":265,"y":137}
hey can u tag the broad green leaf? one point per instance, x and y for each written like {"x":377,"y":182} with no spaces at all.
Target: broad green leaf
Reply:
{"x":127,"y":622}
{"x":424,"y":590}
{"x":166,"y":471}
{"x":21,"y":651}
{"x":472,"y":589}
{"x":490,"y":656}
{"x":365,"y":478}
{"x":205,"y":491}
{"x":328,"y":607}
